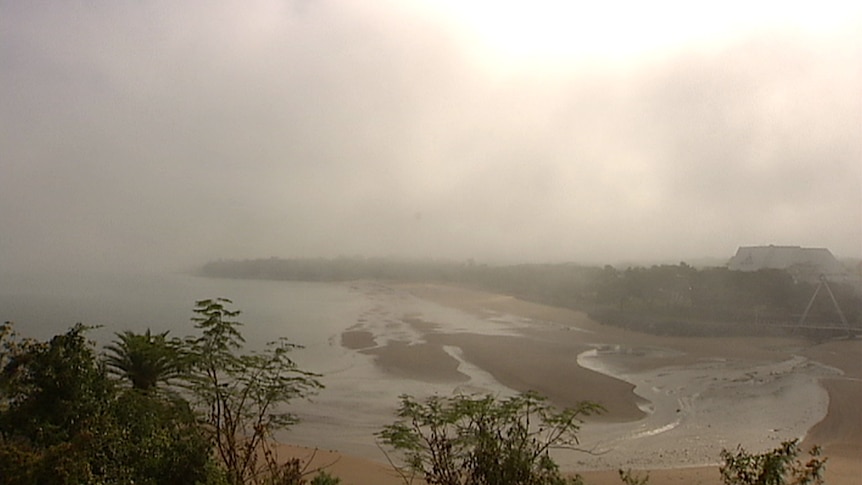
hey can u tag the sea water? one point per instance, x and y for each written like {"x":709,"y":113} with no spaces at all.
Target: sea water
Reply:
{"x":44,"y":305}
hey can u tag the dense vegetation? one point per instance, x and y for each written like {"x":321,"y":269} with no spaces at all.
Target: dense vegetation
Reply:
{"x":780,"y":466}
{"x":153,"y":410}
{"x":466,"y":440}
{"x":64,"y":421}
{"x":665,"y":299}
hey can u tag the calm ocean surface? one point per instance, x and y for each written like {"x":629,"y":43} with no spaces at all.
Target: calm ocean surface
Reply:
{"x":42,"y":306}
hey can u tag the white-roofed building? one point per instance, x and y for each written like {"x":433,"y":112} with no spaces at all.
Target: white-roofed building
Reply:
{"x":805,"y":263}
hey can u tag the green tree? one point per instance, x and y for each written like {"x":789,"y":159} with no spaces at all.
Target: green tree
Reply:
{"x":467,"y":440}
{"x":242,"y":396}
{"x":54,"y":411}
{"x":64,"y":421}
{"x":781,"y":466}
{"x":54,"y":390}
{"x":169,"y":445}
{"x":144,"y":359}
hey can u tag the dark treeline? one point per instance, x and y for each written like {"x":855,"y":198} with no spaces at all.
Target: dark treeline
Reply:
{"x":665,"y":299}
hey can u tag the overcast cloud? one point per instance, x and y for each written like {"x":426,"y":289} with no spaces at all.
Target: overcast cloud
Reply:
{"x":164,"y":134}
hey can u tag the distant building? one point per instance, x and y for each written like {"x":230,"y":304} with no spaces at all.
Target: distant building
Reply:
{"x":804,"y":263}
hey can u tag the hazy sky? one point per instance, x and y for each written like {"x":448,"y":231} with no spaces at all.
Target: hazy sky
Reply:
{"x":148,"y":134}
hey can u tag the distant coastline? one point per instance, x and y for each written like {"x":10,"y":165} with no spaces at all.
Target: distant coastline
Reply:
{"x":661,"y":299}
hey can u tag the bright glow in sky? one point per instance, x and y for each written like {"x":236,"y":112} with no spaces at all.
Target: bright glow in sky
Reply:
{"x":558,"y":31}
{"x":162,"y":132}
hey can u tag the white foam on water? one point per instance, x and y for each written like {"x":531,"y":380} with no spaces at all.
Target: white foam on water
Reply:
{"x":697,"y":410}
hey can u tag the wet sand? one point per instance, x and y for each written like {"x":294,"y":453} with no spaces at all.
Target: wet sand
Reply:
{"x":671,"y":402}
{"x":549,"y":367}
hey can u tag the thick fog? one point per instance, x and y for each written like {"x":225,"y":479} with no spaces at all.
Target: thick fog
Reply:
{"x":140,"y":135}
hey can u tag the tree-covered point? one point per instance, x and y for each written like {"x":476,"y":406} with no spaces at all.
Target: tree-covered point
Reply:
{"x":666,"y":299}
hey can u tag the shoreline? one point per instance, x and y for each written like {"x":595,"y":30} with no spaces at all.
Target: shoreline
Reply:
{"x":784,"y":370}
{"x":670,"y":397}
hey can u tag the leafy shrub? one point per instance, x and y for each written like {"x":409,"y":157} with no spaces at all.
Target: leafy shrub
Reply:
{"x":781,"y":466}
{"x":467,"y":440}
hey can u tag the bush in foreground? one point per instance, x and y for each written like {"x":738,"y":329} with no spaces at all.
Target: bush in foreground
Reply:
{"x":467,"y":440}
{"x":781,"y":466}
{"x":64,"y":421}
{"x":191,"y":411}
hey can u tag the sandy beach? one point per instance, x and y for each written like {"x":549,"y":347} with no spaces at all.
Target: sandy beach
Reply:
{"x":672,"y":403}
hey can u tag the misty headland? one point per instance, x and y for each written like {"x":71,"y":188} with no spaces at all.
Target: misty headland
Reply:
{"x":663,"y":299}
